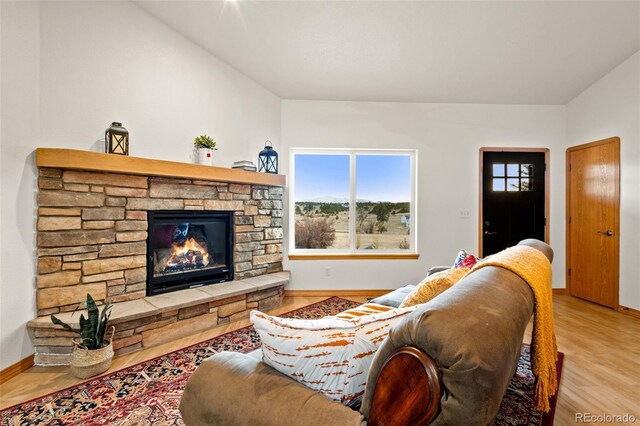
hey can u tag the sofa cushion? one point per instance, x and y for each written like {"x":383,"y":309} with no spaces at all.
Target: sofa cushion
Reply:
{"x":231,"y":388}
{"x":394,"y":298}
{"x":436,"y":269}
{"x":331,"y":355}
{"x":433,"y":285}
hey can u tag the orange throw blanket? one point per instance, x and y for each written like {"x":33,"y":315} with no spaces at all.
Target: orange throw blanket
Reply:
{"x":535,"y":269}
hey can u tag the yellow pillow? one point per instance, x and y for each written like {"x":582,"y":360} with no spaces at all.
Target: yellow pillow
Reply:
{"x":433,"y":285}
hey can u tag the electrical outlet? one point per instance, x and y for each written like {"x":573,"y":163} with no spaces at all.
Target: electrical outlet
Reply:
{"x":327,"y":272}
{"x":464,"y":214}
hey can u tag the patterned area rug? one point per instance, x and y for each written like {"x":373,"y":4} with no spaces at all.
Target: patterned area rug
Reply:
{"x":149,"y":393}
{"x":516,"y":407}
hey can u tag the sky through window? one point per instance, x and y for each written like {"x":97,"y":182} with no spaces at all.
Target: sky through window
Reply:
{"x":379,"y":177}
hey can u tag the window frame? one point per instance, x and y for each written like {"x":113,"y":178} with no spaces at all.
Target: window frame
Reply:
{"x":352,"y":252}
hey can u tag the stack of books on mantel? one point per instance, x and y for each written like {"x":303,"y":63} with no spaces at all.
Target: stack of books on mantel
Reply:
{"x":244,"y":165}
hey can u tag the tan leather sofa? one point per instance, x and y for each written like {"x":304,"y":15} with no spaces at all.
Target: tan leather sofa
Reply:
{"x":447,"y":363}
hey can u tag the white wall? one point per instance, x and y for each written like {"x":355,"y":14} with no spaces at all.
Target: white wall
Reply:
{"x":68,"y":70}
{"x":111,"y":61}
{"x":20,"y":76}
{"x":611,"y":107}
{"x":448,"y":138}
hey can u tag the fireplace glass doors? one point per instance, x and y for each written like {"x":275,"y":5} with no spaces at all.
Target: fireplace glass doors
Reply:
{"x":187,"y":249}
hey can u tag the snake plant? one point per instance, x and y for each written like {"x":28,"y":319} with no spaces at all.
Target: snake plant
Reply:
{"x":93,"y":328}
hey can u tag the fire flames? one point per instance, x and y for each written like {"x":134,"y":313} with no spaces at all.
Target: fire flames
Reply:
{"x":191,"y":254}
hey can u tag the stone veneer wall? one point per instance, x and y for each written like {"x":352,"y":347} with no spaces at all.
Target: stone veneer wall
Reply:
{"x":92,"y":231}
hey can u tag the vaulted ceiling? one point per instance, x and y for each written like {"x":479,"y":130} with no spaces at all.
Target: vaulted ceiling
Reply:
{"x":525,"y":52}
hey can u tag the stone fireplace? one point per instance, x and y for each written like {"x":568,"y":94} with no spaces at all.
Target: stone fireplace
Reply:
{"x":111,"y":234}
{"x":92,"y":231}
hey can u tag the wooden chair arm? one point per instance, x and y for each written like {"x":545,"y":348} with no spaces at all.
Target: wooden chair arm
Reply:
{"x":408,"y":390}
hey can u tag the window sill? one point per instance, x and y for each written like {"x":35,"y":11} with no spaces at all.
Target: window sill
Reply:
{"x":355,"y":256}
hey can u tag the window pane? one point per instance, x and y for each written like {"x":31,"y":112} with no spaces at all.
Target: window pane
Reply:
{"x":525,"y":185}
{"x":526,"y":170}
{"x":513,"y":185}
{"x":383,"y":206}
{"x":321,"y":201}
{"x":512,"y":169}
{"x":498,"y":170}
{"x":498,"y":184}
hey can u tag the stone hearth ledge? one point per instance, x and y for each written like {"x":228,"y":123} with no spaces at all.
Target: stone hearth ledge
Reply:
{"x":153,"y":305}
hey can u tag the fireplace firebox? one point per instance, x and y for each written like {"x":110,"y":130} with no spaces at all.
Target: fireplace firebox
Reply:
{"x":187,"y":249}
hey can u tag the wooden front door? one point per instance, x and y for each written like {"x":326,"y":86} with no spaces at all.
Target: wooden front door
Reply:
{"x":593,"y":217}
{"x":513,"y":199}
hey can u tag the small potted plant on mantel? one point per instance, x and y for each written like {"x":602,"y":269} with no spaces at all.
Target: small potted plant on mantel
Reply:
{"x":205,"y":145}
{"x":93,"y":354}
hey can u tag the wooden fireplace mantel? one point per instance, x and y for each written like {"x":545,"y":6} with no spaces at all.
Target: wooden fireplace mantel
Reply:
{"x":98,"y":162}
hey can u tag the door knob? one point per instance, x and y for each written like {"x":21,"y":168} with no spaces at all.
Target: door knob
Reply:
{"x":489,"y":233}
{"x":608,"y":233}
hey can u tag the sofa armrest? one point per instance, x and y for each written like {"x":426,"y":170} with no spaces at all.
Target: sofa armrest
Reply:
{"x":235,"y":389}
{"x":398,"y":401}
{"x":474,"y":332}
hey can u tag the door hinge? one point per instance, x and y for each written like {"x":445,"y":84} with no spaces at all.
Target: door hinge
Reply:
{"x":545,"y":167}
{"x":569,"y":166}
{"x":545,"y":221}
{"x":569,"y":271}
{"x":569,"y":220}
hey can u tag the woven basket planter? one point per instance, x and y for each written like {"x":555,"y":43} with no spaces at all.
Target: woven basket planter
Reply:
{"x":87,"y":363}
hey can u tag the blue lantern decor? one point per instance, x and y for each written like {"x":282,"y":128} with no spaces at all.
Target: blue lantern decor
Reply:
{"x":268,"y":159}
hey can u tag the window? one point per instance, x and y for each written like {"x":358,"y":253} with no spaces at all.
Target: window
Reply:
{"x":512,"y":177}
{"x":352,"y":201}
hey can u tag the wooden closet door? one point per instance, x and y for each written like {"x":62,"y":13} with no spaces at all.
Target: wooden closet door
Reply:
{"x":593,"y":210}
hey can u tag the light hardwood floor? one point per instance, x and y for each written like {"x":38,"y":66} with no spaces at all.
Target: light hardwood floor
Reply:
{"x":601,"y":373}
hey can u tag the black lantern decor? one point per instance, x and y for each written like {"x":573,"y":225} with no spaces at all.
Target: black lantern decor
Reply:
{"x":116,"y":139}
{"x":268,"y":159}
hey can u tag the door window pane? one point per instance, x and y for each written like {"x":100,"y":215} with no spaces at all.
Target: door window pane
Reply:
{"x":498,"y":170}
{"x":512,"y":170}
{"x":498,"y":184}
{"x":525,"y":184}
{"x":513,"y":185}
{"x":322,"y":201}
{"x":383,"y":202}
{"x":526,"y":170}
